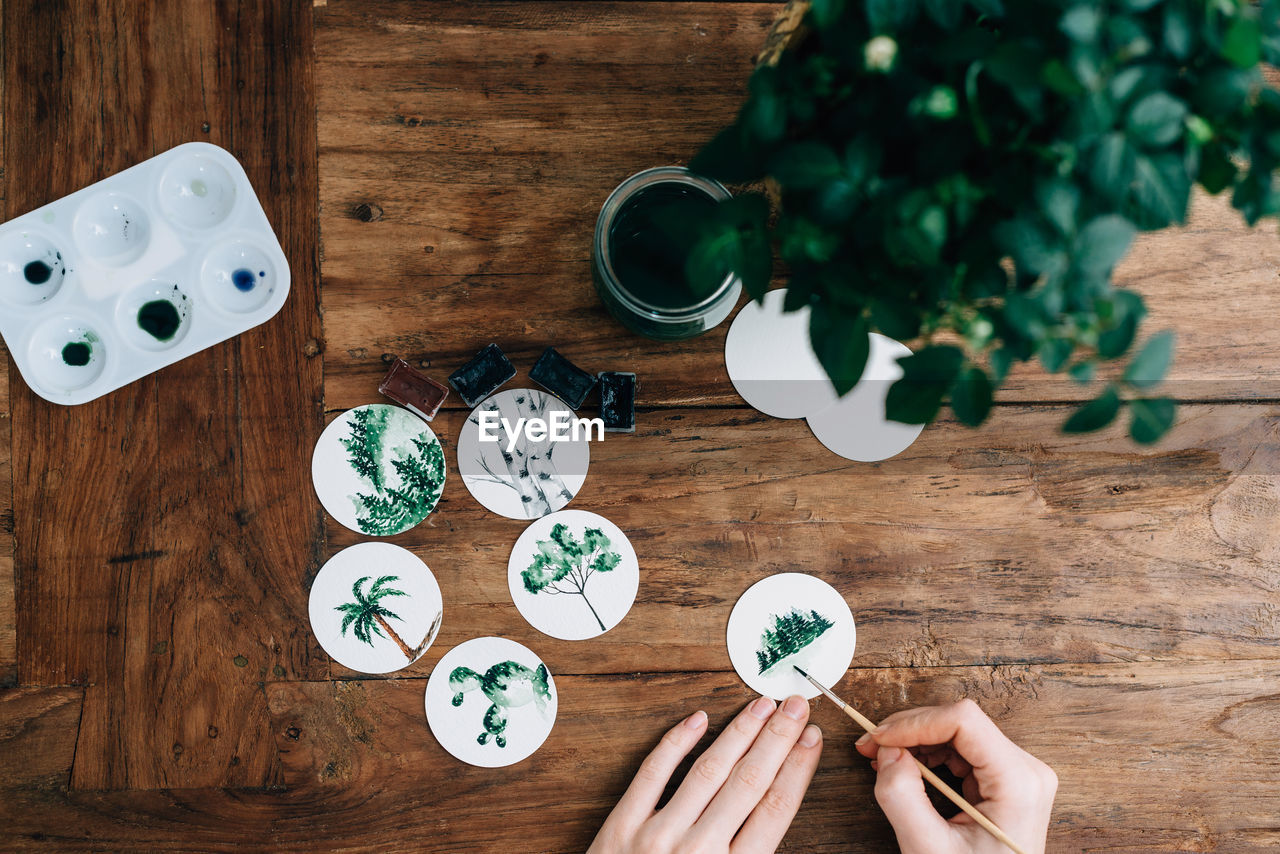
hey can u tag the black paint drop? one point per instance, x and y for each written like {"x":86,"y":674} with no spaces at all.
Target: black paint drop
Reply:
{"x":159,"y":319}
{"x":37,"y":272}
{"x":77,"y":354}
{"x":243,"y":280}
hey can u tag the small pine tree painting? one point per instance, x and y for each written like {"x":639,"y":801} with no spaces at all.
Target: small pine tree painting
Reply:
{"x":564,"y":564}
{"x":404,"y":492}
{"x":367,"y":616}
{"x":790,"y":633}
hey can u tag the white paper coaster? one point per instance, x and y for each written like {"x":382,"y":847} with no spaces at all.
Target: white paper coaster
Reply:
{"x":573,"y":575}
{"x":787,"y":619}
{"x":491,"y":702}
{"x":533,"y":477}
{"x":855,"y":427}
{"x":771,"y":362}
{"x":378,"y":469}
{"x":375,"y":607}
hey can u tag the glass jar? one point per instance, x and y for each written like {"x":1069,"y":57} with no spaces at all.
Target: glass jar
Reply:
{"x":639,"y":271}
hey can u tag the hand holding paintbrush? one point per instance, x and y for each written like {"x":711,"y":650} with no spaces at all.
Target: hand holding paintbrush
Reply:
{"x":1014,"y":789}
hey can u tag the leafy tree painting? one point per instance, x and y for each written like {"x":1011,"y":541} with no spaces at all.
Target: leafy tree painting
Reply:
{"x":564,"y":564}
{"x":367,"y":616}
{"x":790,"y":633}
{"x":406,"y":476}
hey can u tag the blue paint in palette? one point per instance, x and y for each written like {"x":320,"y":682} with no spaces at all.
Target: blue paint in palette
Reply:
{"x":244,"y":280}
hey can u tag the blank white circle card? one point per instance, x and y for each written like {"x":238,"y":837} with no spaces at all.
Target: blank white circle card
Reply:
{"x":378,"y":469}
{"x":771,"y":362}
{"x":790,"y":619}
{"x":375,"y":607}
{"x":573,"y":575}
{"x":491,"y":702}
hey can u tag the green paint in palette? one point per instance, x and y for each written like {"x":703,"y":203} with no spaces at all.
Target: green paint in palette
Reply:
{"x":77,"y":354}
{"x":160,"y":319}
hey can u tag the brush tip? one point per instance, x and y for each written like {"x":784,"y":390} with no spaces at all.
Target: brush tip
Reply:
{"x":801,"y":672}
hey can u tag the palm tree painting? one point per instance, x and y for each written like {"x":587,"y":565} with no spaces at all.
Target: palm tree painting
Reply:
{"x":367,"y":616}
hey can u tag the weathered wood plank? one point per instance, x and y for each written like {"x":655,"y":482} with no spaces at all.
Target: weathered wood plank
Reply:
{"x":1011,"y":544}
{"x":484,"y":144}
{"x":8,"y":615}
{"x":361,"y":766}
{"x":167,"y":530}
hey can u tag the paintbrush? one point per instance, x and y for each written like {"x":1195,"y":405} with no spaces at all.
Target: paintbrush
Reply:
{"x":950,"y":793}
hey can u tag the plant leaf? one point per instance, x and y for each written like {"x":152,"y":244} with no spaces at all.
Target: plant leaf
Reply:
{"x":1242,"y":45}
{"x":842,"y":345}
{"x":1129,"y":311}
{"x":1102,"y":243}
{"x":926,"y":377}
{"x":805,"y":165}
{"x":1152,"y":362}
{"x":1151,"y":418}
{"x":1156,"y":120}
{"x":971,"y":395}
{"x":1095,"y":414}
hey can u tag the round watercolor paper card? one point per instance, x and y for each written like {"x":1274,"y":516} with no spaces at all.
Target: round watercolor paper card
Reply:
{"x":375,"y":607}
{"x":855,"y":427}
{"x":522,"y":453}
{"x":573,"y":575}
{"x":771,"y":362}
{"x":378,"y":469}
{"x":491,"y":702}
{"x":785,"y":619}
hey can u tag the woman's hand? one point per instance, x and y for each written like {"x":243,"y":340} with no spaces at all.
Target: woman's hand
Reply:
{"x":1008,"y":785}
{"x":739,"y":796}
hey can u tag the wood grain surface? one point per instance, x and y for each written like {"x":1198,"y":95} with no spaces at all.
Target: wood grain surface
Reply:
{"x":434,"y":172}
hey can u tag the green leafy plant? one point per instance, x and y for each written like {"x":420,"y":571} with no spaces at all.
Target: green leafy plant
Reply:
{"x":564,"y":564}
{"x":966,"y":174}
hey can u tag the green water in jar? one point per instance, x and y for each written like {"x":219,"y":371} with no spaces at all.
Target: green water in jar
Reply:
{"x":650,"y":240}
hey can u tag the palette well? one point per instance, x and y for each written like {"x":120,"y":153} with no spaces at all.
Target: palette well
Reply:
{"x":137,"y":271}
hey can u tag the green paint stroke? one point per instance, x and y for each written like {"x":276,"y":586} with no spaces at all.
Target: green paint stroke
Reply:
{"x":367,"y":616}
{"x":789,"y":634}
{"x":403,"y":466}
{"x":507,"y":685}
{"x":564,"y":563}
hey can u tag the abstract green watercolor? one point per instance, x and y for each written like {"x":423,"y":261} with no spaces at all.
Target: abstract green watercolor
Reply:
{"x":789,"y":634}
{"x":507,"y":685}
{"x":403,"y":466}
{"x":564,"y":563}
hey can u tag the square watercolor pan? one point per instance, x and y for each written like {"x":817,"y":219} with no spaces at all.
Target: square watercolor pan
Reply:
{"x":137,"y":271}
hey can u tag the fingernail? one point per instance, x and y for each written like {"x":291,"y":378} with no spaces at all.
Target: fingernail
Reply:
{"x":696,"y":720}
{"x":762,"y":708}
{"x":889,"y":755}
{"x":865,"y":738}
{"x":795,"y":708}
{"x":810,"y":736}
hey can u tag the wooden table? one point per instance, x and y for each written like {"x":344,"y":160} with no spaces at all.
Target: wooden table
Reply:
{"x":434,"y":172}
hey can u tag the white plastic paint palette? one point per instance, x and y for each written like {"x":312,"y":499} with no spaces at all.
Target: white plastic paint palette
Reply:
{"x":137,"y":271}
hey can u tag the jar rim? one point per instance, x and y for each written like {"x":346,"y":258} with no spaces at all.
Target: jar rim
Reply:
{"x":609,"y":212}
